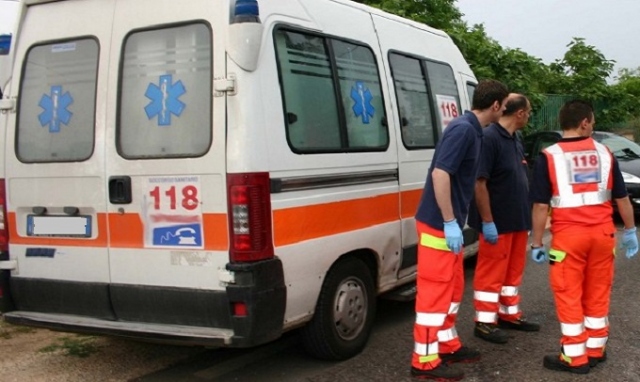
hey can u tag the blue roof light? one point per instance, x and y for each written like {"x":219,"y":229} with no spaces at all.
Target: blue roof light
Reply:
{"x":5,"y":44}
{"x":247,"y":8}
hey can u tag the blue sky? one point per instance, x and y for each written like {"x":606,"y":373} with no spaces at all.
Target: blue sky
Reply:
{"x":543,"y":28}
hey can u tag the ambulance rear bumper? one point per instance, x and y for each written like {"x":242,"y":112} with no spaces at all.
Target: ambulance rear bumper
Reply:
{"x":159,"y":313}
{"x":162,"y":333}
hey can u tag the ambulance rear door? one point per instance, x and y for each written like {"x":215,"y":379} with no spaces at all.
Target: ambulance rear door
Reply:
{"x":55,"y":161}
{"x":165,"y":162}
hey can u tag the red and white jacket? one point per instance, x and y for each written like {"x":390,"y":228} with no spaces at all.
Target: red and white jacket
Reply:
{"x":581,"y":181}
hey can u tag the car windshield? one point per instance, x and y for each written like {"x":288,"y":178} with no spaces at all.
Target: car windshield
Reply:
{"x":622,"y":148}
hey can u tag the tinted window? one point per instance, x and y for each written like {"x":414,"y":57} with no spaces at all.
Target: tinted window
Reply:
{"x":56,"y":112}
{"x":165,"y":93}
{"x":621,"y":147}
{"x":443,"y":85}
{"x":416,"y":115}
{"x":535,"y":143}
{"x":309,"y":91}
{"x":332,"y":98}
{"x":471,"y":89}
{"x":546,"y":140}
{"x":360,"y":95}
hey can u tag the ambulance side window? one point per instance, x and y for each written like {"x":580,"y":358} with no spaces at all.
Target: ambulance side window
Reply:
{"x":56,"y":109}
{"x":416,"y":114}
{"x":164,"y":103}
{"x":309,"y":93}
{"x":332,"y":97}
{"x":443,"y":85}
{"x":361,"y":96}
{"x":471,"y":90}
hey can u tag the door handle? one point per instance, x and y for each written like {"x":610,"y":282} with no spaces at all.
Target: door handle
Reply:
{"x":120,"y":189}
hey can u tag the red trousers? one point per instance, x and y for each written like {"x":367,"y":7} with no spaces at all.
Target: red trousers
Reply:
{"x":498,"y":276}
{"x":440,"y":284}
{"x":581,"y":285}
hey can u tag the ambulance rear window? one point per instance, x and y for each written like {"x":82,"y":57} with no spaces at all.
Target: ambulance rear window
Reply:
{"x":165,"y":91}
{"x":56,"y":108}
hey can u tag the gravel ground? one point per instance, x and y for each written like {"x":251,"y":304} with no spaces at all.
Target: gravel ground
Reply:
{"x":35,"y":355}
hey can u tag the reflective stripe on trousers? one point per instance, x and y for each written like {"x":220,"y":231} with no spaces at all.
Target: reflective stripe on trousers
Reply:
{"x":499,"y":271}
{"x":440,"y":285}
{"x":597,"y":328}
{"x":581,"y":284}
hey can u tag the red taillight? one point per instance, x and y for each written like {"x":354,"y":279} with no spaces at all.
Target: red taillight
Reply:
{"x":240,"y":309}
{"x":249,"y":199}
{"x":4,"y":231}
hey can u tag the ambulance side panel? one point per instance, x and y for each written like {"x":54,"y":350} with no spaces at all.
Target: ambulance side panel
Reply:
{"x":424,"y":65}
{"x":326,"y":203}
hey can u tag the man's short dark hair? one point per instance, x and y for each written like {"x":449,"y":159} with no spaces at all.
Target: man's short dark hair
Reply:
{"x":487,"y":92}
{"x":573,"y":113}
{"x":514,"y":104}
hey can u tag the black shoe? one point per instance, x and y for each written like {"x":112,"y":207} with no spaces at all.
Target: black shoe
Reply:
{"x":491,"y":333}
{"x":594,"y":361}
{"x":553,"y":362}
{"x":519,"y":324}
{"x":441,"y":373}
{"x":462,"y":355}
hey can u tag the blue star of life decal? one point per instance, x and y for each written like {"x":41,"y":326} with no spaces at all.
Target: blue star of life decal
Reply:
{"x":165,"y":100}
{"x":55,"y":109}
{"x":362,"y":106}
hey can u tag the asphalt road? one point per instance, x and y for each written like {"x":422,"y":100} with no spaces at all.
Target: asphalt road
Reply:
{"x":388,"y":353}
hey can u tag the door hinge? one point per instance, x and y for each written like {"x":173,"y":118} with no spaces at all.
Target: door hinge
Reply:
{"x":224,"y":85}
{"x":226,"y":277}
{"x":8,"y":265}
{"x":8,"y":105}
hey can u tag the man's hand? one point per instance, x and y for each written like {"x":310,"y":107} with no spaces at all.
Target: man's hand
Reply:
{"x":453,"y":236}
{"x":490,"y":232}
{"x":539,"y":255}
{"x":630,"y":242}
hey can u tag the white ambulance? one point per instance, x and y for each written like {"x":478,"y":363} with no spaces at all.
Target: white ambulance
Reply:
{"x":9,"y":14}
{"x":219,"y":172}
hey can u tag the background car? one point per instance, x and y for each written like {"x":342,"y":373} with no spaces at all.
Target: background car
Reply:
{"x":626,"y":151}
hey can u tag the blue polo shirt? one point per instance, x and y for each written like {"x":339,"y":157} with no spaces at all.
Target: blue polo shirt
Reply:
{"x":457,"y":153}
{"x":503,"y":165}
{"x":541,"y":182}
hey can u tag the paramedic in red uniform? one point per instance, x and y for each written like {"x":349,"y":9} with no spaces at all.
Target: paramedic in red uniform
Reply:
{"x":578,"y":177}
{"x":502,"y":214}
{"x":441,"y":215}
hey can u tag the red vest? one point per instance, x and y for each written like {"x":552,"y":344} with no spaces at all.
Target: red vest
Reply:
{"x":581,"y":182}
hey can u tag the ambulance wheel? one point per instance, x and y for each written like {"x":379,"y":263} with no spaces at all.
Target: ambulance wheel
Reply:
{"x":344,"y":312}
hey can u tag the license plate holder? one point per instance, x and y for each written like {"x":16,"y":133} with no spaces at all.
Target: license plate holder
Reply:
{"x":59,"y":226}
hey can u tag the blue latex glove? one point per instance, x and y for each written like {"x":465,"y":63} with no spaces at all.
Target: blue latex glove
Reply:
{"x":539,"y":255}
{"x":490,"y":232}
{"x":630,"y":242}
{"x":453,"y":236}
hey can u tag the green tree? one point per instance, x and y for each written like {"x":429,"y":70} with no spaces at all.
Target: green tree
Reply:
{"x":440,"y":14}
{"x":624,"y":99}
{"x":520,"y":71}
{"x":482,"y":52}
{"x":586,"y":70}
{"x":582,"y":72}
